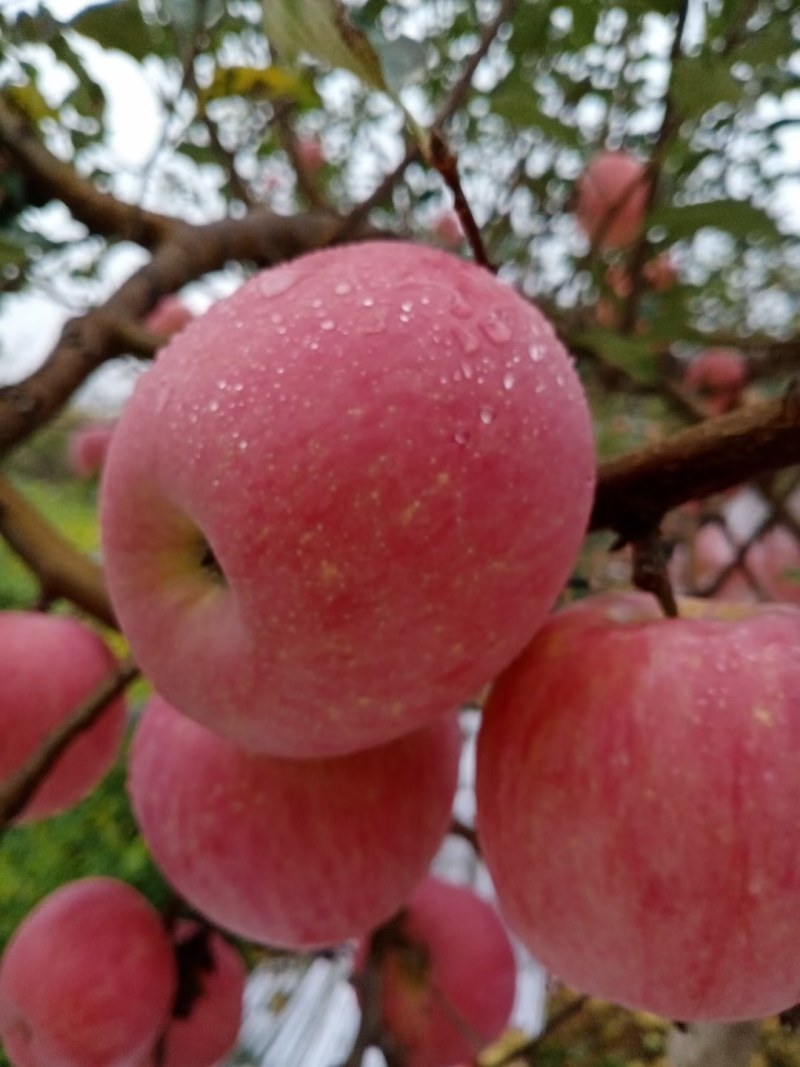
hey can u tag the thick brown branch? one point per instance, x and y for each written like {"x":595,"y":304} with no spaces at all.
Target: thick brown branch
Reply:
{"x":52,"y":179}
{"x":62,"y":571}
{"x":20,"y":787}
{"x":635,"y":491}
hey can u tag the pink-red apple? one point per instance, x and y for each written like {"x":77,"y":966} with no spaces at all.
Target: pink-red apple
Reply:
{"x":87,"y":448}
{"x":352,"y":491}
{"x":612,"y":199}
{"x":297,"y":853}
{"x":447,"y":976}
{"x":87,"y":980}
{"x":169,"y":316}
{"x":208,"y":1010}
{"x":48,"y":665}
{"x":310,"y":154}
{"x":638,"y":790}
{"x":447,"y":229}
{"x":719,"y":375}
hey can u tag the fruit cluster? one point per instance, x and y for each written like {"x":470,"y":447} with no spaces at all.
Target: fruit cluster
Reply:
{"x":338,"y":505}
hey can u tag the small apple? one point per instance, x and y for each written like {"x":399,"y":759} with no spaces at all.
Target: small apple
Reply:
{"x":48,"y":665}
{"x":169,"y":316}
{"x":661,"y":273}
{"x":612,"y":199}
{"x":353,"y":490}
{"x":311,"y":154}
{"x":87,"y":448}
{"x":296,"y":853}
{"x":719,"y":375}
{"x":207,"y":1014}
{"x":447,"y":976}
{"x":645,"y":846}
{"x":446,"y":227}
{"x":87,"y":980}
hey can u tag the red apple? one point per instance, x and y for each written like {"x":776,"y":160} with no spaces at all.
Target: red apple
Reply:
{"x":87,"y":980}
{"x":48,"y":665}
{"x":612,"y":199}
{"x":446,"y":228}
{"x":644,"y":846}
{"x":169,"y":316}
{"x":447,"y":983}
{"x":352,"y":490}
{"x":719,"y":376}
{"x":205,"y":1025}
{"x":311,"y":154}
{"x":87,"y":448}
{"x":661,"y":273}
{"x":297,"y":853}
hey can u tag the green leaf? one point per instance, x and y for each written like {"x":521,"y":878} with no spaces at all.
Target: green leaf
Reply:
{"x":632,"y":355}
{"x":117,"y":24}
{"x":700,"y":83}
{"x":737,"y":217}
{"x":272,"y":83}
{"x":322,"y":29}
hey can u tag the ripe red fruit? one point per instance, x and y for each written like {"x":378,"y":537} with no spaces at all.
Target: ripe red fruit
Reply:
{"x":87,"y":448}
{"x":87,"y":980}
{"x":204,"y":1029}
{"x":169,"y":316}
{"x":48,"y":665}
{"x":297,"y":853}
{"x":357,"y":485}
{"x":447,"y":983}
{"x":645,"y":845}
{"x":612,"y":199}
{"x":719,"y":375}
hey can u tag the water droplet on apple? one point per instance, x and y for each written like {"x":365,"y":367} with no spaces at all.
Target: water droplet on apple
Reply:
{"x":467,"y":341}
{"x":508,"y":380}
{"x":275,"y":283}
{"x":343,"y":288}
{"x":536,"y":353}
{"x":540,"y":388}
{"x":368,"y":302}
{"x":486,"y":415}
{"x":461,"y":437}
{"x":213,"y":406}
{"x":327,"y":325}
{"x":495,"y":329}
{"x":466,"y":369}
{"x":406,"y":305}
{"x":460,"y":307}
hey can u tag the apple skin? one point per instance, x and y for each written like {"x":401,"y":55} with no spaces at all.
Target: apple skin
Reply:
{"x":208,"y":1033}
{"x":612,"y":199}
{"x":295,"y":853}
{"x":87,"y":448}
{"x":645,"y":846}
{"x":169,"y":316}
{"x":449,"y":993}
{"x":87,"y":980}
{"x":391,"y":457}
{"x":48,"y":665}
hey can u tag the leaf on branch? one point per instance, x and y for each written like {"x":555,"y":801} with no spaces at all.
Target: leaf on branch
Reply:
{"x":632,"y":355}
{"x":29,"y":101}
{"x":322,"y":29}
{"x":271,"y":83}
{"x":737,"y":217}
{"x":116,"y":24}
{"x":718,"y":85}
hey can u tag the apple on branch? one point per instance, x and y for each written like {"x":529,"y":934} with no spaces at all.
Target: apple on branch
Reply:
{"x":611,"y":199}
{"x":353,"y":489}
{"x":50,"y":664}
{"x":87,"y":449}
{"x":295,"y":853}
{"x":644,"y":847}
{"x":446,"y":975}
{"x":87,"y":980}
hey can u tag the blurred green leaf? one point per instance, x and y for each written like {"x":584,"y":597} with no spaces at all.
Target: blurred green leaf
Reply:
{"x":632,"y":355}
{"x":700,"y":83}
{"x":738,"y":217}
{"x":270,"y":83}
{"x":117,"y":24}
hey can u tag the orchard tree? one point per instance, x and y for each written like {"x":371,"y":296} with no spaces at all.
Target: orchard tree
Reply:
{"x":462,"y":337}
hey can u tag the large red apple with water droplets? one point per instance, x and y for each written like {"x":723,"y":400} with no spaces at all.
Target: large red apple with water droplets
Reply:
{"x":298,"y":853}
{"x":638,"y":790}
{"x":351,"y":491}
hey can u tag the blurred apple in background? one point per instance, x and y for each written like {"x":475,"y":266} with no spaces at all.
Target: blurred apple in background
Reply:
{"x":169,"y":316}
{"x":87,"y":980}
{"x":611,"y":199}
{"x":446,"y":228}
{"x":447,"y":976}
{"x":310,"y":154}
{"x":296,"y":853}
{"x":208,"y":1010}
{"x":718,"y":376}
{"x":372,"y":457}
{"x":48,"y":665}
{"x":645,"y":847}
{"x":87,"y":448}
